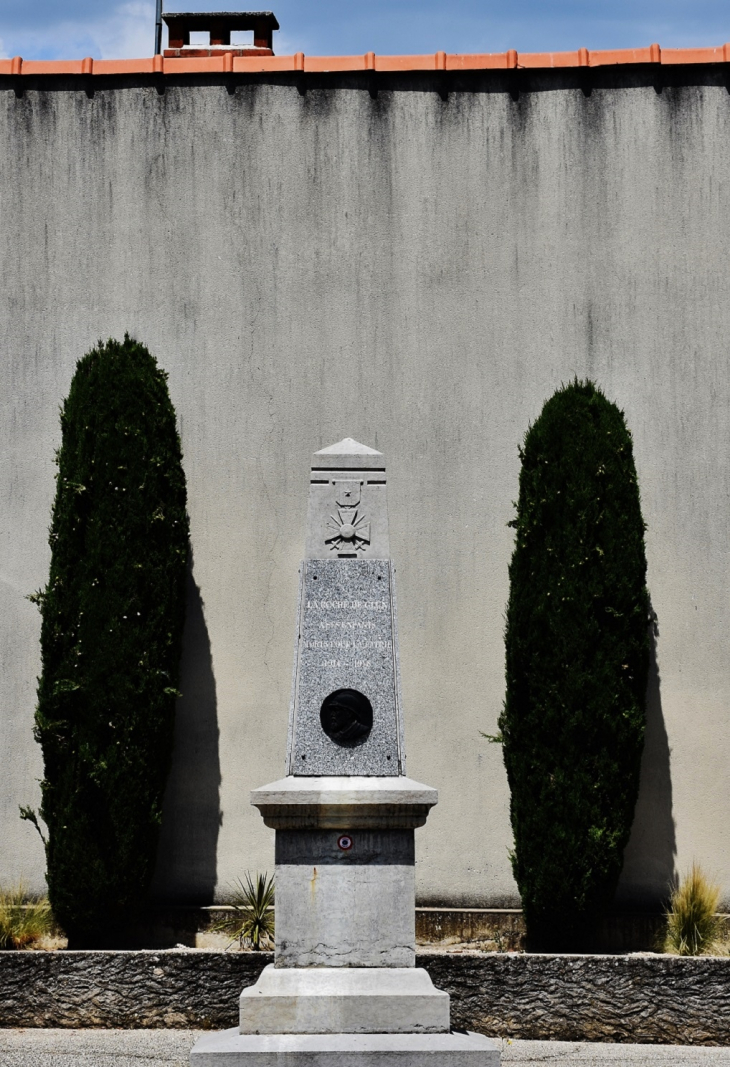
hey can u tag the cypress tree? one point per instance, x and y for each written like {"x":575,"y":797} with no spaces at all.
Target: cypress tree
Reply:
{"x":577,"y":658}
{"x":112,"y":620}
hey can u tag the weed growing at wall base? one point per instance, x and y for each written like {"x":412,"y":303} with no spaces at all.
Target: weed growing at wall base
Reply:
{"x":23,"y":920}
{"x":693,"y":926}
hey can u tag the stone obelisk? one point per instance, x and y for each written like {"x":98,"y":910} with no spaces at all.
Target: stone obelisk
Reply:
{"x":344,"y":988}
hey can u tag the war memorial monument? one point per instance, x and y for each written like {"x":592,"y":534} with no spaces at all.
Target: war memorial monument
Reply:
{"x":344,"y":988}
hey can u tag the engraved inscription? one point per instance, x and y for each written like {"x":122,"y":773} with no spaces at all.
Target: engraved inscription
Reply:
{"x":346,"y":644}
{"x":353,"y":664}
{"x":346,"y":605}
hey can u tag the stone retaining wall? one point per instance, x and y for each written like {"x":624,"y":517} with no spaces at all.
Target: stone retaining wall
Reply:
{"x":664,"y":999}
{"x":130,"y":990}
{"x":571,"y":998}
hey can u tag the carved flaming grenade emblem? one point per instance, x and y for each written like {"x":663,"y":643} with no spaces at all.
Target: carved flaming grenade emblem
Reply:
{"x":350,"y":530}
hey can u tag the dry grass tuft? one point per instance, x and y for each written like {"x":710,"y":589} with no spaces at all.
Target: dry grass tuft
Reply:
{"x":693,"y":926}
{"x":23,"y":921}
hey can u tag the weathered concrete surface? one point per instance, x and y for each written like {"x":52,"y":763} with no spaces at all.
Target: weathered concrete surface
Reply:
{"x":563,"y":1053}
{"x":345,"y":908}
{"x":310,"y":258}
{"x":655,"y":999}
{"x":96,"y":1048}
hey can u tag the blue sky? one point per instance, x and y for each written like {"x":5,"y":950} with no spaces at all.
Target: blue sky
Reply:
{"x":67,"y":29}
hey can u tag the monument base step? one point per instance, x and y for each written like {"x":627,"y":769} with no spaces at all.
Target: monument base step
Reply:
{"x":234,"y":1049}
{"x":336,"y":1000}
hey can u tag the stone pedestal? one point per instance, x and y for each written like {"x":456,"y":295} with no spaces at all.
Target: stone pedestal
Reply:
{"x":345,"y":868}
{"x":344,"y":988}
{"x":345,"y":900}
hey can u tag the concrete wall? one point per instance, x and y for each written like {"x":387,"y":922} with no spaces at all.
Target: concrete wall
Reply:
{"x":419,"y":271}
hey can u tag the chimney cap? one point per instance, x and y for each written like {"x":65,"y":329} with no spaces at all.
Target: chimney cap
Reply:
{"x":230,"y":20}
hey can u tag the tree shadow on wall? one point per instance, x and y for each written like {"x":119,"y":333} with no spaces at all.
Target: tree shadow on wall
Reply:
{"x":191,"y":816}
{"x":649,"y":859}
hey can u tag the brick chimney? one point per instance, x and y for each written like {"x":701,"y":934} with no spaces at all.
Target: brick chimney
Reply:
{"x":219,"y":25}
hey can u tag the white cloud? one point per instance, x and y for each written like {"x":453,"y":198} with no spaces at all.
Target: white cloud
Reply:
{"x":129,"y":33}
{"x":125,"y":31}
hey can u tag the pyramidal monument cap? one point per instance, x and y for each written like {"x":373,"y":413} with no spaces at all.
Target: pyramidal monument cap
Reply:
{"x":348,"y":446}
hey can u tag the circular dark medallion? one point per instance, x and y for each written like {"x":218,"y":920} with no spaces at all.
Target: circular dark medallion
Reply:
{"x":346,"y":717}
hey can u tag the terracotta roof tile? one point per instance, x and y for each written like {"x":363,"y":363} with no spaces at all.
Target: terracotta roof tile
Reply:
{"x":228,"y":62}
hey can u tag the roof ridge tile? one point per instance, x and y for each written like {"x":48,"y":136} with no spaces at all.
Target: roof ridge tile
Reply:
{"x":438,"y":61}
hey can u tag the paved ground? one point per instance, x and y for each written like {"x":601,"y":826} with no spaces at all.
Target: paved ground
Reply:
{"x":574,"y":1054}
{"x":169,"y":1048}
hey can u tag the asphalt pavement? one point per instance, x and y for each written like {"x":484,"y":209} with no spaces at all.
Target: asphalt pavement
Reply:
{"x":170,"y":1048}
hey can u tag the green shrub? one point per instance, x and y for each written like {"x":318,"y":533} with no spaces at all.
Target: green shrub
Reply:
{"x":23,"y":920}
{"x":693,"y":925}
{"x":113,"y":614}
{"x":577,"y":657}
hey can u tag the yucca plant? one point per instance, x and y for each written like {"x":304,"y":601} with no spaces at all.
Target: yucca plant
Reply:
{"x":23,"y":920}
{"x":253,"y":916}
{"x":693,"y":925}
